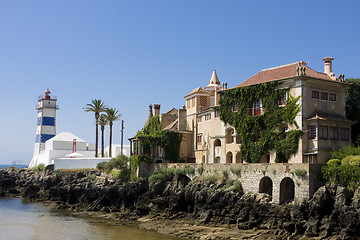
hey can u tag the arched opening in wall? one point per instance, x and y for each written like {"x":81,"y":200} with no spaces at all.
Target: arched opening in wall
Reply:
{"x":229,"y":135}
{"x":203,"y":159}
{"x":265,"y":158}
{"x":182,"y":180}
{"x":238,"y":158}
{"x":159,"y":161}
{"x":266,"y":186}
{"x":229,"y":157}
{"x":287,"y":190}
{"x":217,"y":160}
{"x":217,"y":143}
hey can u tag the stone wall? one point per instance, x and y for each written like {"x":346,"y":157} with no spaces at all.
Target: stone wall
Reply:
{"x":281,"y":180}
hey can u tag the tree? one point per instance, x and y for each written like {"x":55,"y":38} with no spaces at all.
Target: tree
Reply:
{"x":353,"y":108}
{"x":112,"y":115}
{"x":102,"y":122}
{"x":96,"y":106}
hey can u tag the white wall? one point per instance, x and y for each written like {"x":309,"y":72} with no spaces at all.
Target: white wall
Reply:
{"x":74,"y":163}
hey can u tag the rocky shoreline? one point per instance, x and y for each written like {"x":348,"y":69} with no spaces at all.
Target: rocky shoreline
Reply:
{"x":188,"y":209}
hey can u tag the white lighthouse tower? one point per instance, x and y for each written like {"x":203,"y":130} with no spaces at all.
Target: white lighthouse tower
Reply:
{"x":46,"y":124}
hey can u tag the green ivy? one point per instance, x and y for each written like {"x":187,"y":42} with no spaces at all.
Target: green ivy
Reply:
{"x":269,"y":138}
{"x":153,"y":135}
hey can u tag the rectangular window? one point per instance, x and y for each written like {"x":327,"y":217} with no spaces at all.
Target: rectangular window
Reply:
{"x":188,"y":103}
{"x":312,"y":132}
{"x":323,"y":132}
{"x":334,"y":133}
{"x":208,"y":117}
{"x":345,"y":134}
{"x":315,"y":94}
{"x":282,"y":100}
{"x":199,"y":138}
{"x":235,"y":107}
{"x":332,"y":97}
{"x":324,"y":96}
{"x":257,"y":107}
{"x":217,"y":114}
{"x":193,"y":102}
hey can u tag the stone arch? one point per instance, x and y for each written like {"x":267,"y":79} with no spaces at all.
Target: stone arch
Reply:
{"x":229,"y":135}
{"x":287,"y":190}
{"x":238,"y":158}
{"x":266,"y":185}
{"x":229,"y":157}
{"x":217,"y":143}
{"x":159,"y":161}
{"x":217,"y":160}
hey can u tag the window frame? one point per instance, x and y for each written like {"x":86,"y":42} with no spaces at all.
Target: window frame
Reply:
{"x":312,"y":132}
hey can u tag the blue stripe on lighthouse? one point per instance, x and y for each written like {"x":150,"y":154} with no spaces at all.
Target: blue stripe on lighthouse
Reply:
{"x":45,"y":137}
{"x":48,"y":121}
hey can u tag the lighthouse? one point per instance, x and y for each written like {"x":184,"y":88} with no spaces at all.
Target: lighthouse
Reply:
{"x":46,"y":123}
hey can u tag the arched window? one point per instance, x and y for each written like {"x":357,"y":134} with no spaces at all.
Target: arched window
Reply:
{"x":217,"y":143}
{"x":229,"y":157}
{"x":238,"y":158}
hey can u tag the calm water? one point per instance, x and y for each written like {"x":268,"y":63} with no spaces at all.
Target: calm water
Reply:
{"x":23,"y":220}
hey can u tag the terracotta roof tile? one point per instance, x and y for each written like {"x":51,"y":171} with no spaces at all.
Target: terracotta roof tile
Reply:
{"x":282,"y":72}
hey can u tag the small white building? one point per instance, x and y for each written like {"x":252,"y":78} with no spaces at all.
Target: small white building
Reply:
{"x":116,"y":150}
{"x":67,"y":151}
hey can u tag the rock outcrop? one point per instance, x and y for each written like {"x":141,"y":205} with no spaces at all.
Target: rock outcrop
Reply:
{"x":332,"y":213}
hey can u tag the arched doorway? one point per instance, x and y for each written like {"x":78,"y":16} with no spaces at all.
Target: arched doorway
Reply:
{"x":229,"y":157}
{"x":287,"y":190}
{"x":217,"y":160}
{"x":266,"y":186}
{"x":238,"y":158}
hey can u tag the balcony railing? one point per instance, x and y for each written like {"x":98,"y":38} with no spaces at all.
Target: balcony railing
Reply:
{"x":51,"y":97}
{"x":256,"y":111}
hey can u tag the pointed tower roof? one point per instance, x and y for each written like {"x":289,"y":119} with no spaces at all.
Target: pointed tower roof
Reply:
{"x":214,"y":79}
{"x":150,"y":115}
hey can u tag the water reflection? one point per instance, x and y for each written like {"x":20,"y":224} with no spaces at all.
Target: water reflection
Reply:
{"x":22,"y":220}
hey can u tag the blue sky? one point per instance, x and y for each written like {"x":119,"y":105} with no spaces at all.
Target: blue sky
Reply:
{"x":133,"y":53}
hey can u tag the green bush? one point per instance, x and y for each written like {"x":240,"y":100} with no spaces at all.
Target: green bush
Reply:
{"x":189,"y":170}
{"x":200,"y":170}
{"x":164,"y":174}
{"x":211,"y":179}
{"x":118,"y":167}
{"x":101,"y":165}
{"x":225,"y":173}
{"x":40,"y":167}
{"x":351,"y":160}
{"x":236,"y":186}
{"x":345,"y":151}
{"x":345,"y":175}
{"x":136,"y":159}
{"x":179,"y":171}
{"x":334,"y":161}
{"x":235,"y":170}
{"x":300,"y":172}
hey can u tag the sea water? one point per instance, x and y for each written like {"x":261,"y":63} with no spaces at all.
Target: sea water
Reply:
{"x":23,"y":220}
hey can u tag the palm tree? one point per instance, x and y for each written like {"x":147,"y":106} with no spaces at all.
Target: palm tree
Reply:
{"x":102,"y":122}
{"x":97,"y":106}
{"x":112,"y":115}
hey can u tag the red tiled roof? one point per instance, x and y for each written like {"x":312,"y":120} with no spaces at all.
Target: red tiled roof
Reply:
{"x":282,"y":72}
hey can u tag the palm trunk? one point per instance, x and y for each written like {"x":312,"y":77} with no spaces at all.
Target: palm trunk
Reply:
{"x":102,"y":141}
{"x":110,"y":148}
{"x":96,"y":141}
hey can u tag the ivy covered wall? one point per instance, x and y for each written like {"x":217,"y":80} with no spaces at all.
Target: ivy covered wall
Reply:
{"x":153,"y":135}
{"x":261,"y":133}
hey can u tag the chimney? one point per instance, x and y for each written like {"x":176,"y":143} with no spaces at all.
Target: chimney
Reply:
{"x":182,"y":119}
{"x":328,"y":65}
{"x":150,"y":115}
{"x":157,"y":109}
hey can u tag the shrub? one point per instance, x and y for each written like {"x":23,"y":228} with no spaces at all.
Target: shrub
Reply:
{"x":345,"y":175}
{"x":235,"y":170}
{"x":118,"y":167}
{"x":101,"y":165}
{"x":40,"y":167}
{"x":136,"y":159}
{"x":211,"y":179}
{"x":300,"y":172}
{"x":200,"y":170}
{"x":236,"y":186}
{"x":189,"y":170}
{"x":345,"y":151}
{"x":351,"y":160}
{"x":179,"y":171}
{"x":225,"y":173}
{"x":334,"y":161}
{"x":164,"y":174}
